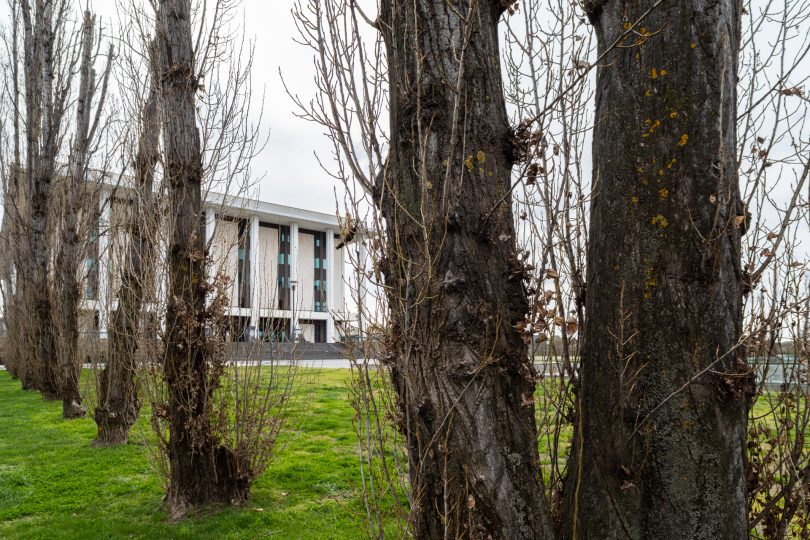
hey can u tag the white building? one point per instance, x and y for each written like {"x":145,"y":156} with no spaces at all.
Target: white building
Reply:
{"x":285,"y":272}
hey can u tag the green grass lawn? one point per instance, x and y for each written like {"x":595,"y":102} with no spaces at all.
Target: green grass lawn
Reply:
{"x":54,"y":485}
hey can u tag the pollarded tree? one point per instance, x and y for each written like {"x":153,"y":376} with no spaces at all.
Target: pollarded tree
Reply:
{"x":462,"y":373}
{"x":202,"y":469}
{"x":118,"y":403}
{"x":452,"y":272}
{"x":661,"y":426}
{"x":66,"y":291}
{"x":48,"y":75}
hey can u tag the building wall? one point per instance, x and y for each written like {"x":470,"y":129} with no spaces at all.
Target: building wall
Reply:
{"x":120,"y":216}
{"x":225,"y":255}
{"x":107,"y":253}
{"x":338,"y":286}
{"x":304,"y":292}
{"x":267,"y":268}
{"x":307,"y":332}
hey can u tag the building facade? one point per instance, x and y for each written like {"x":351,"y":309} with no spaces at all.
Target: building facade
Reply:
{"x":279,"y":267}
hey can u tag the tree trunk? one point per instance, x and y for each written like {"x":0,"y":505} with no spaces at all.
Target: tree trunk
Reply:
{"x":11,"y":209}
{"x":202,"y":469}
{"x":43,"y":115}
{"x":461,"y":370}
{"x":660,"y":435}
{"x":68,"y":290}
{"x":118,"y":401}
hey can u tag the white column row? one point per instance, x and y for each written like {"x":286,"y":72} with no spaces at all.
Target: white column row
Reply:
{"x":331,"y":283}
{"x":294,"y":296}
{"x":362,"y":283}
{"x":255,"y":279}
{"x":210,"y":228}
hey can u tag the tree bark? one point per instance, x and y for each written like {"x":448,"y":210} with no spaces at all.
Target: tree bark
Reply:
{"x":461,"y":370}
{"x":119,"y":406}
{"x":202,"y":469}
{"x":44,"y":110}
{"x":660,"y":434}
{"x":68,"y":290}
{"x":10,"y":235}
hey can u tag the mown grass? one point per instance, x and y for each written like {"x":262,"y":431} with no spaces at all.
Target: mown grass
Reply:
{"x":53,"y":484}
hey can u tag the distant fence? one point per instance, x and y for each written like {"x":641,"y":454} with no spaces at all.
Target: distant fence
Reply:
{"x":781,"y":372}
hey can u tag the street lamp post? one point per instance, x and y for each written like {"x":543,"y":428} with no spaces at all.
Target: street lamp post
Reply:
{"x":293,"y":283}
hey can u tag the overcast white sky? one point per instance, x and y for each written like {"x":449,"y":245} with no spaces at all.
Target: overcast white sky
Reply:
{"x":289,"y":171}
{"x":292,"y":175}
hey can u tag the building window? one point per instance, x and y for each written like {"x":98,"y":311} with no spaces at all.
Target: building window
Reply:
{"x":243,"y":269}
{"x":284,"y":270}
{"x":91,"y":255}
{"x":320,"y":283}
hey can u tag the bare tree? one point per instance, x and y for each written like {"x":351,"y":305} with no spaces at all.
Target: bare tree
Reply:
{"x":44,"y":206}
{"x":452,"y":273}
{"x":67,"y":281}
{"x":48,"y":73}
{"x":202,"y":468}
{"x":11,"y":167}
{"x":774,"y":159}
{"x":118,"y":403}
{"x":548,"y":68}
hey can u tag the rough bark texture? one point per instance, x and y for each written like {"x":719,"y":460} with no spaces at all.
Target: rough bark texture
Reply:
{"x":202,"y":469}
{"x":661,"y":431}
{"x":68,"y":287}
{"x":12,"y":215}
{"x":459,"y":367}
{"x":44,"y":109}
{"x":118,"y":406}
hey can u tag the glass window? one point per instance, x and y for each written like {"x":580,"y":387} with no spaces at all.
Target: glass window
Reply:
{"x":317,"y":263}
{"x":317,"y":241}
{"x":280,"y":258}
{"x":323,"y":264}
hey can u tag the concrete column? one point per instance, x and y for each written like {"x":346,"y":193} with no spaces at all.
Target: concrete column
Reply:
{"x":103,"y":296}
{"x":255,"y":278}
{"x":294,"y":275}
{"x":362,"y":284}
{"x":331,"y":283}
{"x":210,"y":227}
